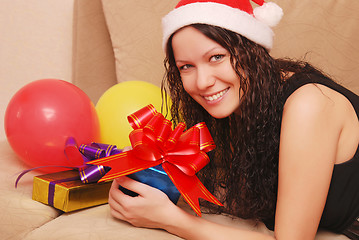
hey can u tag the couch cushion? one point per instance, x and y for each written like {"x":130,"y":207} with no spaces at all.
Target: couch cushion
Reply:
{"x":97,"y":223}
{"x":19,"y":213}
{"x":93,"y":58}
{"x":324,"y":33}
{"x":36,"y":43}
{"x":135,"y":29}
{"x":94,"y":223}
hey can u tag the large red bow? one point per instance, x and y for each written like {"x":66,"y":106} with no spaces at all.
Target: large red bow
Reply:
{"x":182,"y":154}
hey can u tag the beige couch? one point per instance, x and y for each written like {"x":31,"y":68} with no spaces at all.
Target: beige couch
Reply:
{"x":96,"y":44}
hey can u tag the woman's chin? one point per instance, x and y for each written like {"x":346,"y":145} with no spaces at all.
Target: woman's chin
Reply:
{"x":219,"y":115}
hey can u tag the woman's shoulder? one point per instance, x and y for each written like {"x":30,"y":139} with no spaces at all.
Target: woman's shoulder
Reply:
{"x":317,"y":106}
{"x":305,"y":75}
{"x":312,"y":92}
{"x":312,"y":109}
{"x":319,"y":98}
{"x":311,"y":100}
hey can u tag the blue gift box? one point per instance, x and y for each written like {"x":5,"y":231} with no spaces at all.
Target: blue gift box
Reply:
{"x":155,"y":177}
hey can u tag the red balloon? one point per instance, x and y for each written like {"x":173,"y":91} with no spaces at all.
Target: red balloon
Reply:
{"x":42,"y":115}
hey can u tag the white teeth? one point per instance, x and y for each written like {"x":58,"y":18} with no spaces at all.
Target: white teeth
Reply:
{"x":216,"y":96}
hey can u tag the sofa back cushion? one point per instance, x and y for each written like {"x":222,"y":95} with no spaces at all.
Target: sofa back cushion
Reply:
{"x":136,"y":34}
{"x":322,"y":32}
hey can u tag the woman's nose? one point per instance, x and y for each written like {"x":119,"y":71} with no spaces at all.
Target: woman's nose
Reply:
{"x":205,"y":78}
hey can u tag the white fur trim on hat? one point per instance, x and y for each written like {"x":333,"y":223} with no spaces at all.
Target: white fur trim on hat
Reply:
{"x":269,"y":13}
{"x":218,"y":15}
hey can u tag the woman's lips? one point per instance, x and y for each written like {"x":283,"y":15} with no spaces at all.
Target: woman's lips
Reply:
{"x":216,"y":96}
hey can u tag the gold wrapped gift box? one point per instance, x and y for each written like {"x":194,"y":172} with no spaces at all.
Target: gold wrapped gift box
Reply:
{"x":61,"y":191}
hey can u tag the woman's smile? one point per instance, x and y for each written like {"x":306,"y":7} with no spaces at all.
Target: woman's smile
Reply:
{"x":213,"y":98}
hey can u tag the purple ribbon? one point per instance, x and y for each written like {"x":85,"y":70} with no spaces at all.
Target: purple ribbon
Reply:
{"x":52,"y":184}
{"x":88,"y":173}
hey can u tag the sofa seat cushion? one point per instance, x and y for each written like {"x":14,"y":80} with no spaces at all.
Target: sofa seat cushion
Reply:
{"x":19,"y":213}
{"x":97,"y":223}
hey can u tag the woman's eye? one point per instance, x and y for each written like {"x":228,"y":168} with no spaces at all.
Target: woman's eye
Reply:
{"x":185,"y":67}
{"x":216,"y":57}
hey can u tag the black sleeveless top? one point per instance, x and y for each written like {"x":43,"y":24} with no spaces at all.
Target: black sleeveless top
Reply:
{"x":342,"y":205}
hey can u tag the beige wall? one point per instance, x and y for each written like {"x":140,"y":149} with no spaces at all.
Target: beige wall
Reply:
{"x":35,"y":43}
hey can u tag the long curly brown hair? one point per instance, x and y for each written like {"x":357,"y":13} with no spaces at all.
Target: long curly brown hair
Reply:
{"x":243,"y":171}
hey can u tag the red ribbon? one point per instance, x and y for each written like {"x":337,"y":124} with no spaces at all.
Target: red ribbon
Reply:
{"x":182,"y":154}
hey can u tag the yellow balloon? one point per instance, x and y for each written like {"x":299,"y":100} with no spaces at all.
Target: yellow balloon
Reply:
{"x":118,"y":102}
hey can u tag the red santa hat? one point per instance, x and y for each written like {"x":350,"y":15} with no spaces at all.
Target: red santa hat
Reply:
{"x":235,"y":15}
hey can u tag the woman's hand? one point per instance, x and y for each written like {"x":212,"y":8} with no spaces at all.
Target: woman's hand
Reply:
{"x":151,"y":208}
{"x":127,"y":148}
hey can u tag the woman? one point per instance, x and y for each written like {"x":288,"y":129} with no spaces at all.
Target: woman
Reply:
{"x":287,"y":136}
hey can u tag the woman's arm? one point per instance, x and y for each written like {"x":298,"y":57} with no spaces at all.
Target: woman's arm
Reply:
{"x":153,"y":209}
{"x":311,"y":128}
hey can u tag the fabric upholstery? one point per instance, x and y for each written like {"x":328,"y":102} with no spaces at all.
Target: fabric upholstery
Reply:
{"x":35,"y":43}
{"x":19,"y":214}
{"x":93,"y":57}
{"x":96,"y":223}
{"x":135,"y":29}
{"x":323,"y":32}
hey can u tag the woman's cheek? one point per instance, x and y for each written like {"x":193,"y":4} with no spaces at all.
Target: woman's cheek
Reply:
{"x":185,"y":85}
{"x":189,"y":83}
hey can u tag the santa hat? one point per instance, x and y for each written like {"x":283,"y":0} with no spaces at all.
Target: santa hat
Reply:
{"x":235,"y":15}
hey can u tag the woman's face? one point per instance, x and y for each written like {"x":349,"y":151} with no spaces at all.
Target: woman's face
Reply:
{"x":206,"y":72}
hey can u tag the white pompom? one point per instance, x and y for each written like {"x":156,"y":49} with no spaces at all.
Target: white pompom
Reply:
{"x":269,"y":13}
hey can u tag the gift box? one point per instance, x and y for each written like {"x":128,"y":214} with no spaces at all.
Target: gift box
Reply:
{"x":155,"y":177}
{"x":158,"y":150}
{"x":65,"y":191}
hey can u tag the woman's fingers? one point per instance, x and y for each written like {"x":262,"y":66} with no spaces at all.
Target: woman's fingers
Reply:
{"x":125,"y":149}
{"x":149,"y":209}
{"x":133,"y":185}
